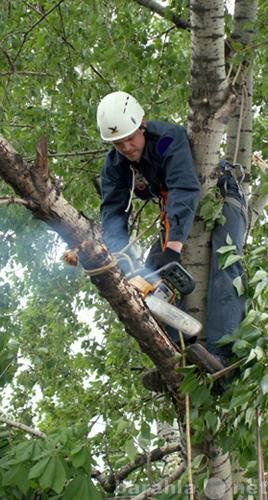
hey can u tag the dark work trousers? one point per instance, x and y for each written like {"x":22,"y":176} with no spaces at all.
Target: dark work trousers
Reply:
{"x":225,"y":309}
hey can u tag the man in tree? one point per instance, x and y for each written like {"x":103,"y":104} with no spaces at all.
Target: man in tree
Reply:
{"x":153,"y":159}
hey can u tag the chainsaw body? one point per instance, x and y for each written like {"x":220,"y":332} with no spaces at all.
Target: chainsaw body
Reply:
{"x":161,"y":289}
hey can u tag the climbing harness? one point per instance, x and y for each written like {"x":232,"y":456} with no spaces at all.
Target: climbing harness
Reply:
{"x":228,"y":173}
{"x":164,"y":219}
{"x":132,"y":189}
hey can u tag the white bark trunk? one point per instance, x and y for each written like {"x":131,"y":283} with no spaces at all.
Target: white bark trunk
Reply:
{"x":239,"y":134}
{"x":211,"y":104}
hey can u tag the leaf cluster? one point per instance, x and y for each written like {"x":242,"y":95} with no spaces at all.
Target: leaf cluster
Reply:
{"x":210,"y":208}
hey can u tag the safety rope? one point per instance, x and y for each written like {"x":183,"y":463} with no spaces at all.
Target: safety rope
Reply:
{"x":239,"y":127}
{"x":102,"y":269}
{"x":260,"y":459}
{"x":188,"y":427}
{"x":139,"y":236}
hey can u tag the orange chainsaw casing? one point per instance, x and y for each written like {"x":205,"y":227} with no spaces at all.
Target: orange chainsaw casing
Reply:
{"x":145,"y":287}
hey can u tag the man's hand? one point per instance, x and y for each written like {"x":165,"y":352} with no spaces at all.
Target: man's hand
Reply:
{"x":175,"y":245}
{"x":162,"y":258}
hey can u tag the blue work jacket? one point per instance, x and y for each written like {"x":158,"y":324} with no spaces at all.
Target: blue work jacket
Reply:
{"x":166,"y":164}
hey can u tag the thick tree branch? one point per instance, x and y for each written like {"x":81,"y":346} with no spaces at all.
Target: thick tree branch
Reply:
{"x":48,"y":204}
{"x":161,"y":485}
{"x":163,"y":12}
{"x":108,"y":482}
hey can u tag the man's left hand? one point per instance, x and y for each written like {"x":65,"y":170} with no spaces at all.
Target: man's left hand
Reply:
{"x":175,"y":245}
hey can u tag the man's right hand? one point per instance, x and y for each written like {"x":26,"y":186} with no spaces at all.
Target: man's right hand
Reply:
{"x":161,"y":259}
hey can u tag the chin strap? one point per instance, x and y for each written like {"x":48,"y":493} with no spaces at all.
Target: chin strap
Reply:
{"x":132,"y":189}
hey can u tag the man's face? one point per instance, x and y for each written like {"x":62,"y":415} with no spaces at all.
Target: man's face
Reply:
{"x":131,"y":146}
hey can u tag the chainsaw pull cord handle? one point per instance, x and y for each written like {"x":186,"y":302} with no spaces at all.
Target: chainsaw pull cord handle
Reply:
{"x":164,"y":217}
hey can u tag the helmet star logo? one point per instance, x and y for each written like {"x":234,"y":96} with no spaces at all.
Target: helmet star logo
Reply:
{"x":114,"y":130}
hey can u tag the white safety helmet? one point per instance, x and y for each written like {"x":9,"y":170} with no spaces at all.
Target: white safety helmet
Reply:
{"x":118,"y":115}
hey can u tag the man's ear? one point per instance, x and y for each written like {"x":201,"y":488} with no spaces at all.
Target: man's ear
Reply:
{"x":143,"y":124}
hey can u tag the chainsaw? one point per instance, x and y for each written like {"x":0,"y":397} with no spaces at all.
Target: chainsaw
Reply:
{"x":161,"y":289}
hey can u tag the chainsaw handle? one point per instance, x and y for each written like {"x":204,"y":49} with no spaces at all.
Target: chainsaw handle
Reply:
{"x":176,"y":275}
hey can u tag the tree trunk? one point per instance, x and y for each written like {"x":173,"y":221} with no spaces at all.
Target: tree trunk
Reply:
{"x":239,"y":136}
{"x":211,"y":105}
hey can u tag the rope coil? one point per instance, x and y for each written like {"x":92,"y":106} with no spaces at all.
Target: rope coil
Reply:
{"x":72,"y":258}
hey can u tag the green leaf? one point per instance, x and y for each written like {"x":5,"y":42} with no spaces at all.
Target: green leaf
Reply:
{"x":238,"y":284}
{"x":229,"y":240}
{"x":189,"y":383}
{"x":250,"y":317}
{"x":211,"y":420}
{"x":82,"y":488}
{"x":145,"y":431}
{"x":122,"y":425}
{"x":261,"y":286}
{"x":81,"y":458}
{"x":54,"y":475}
{"x":264,"y":384}
{"x":250,"y":333}
{"x":38,"y":468}
{"x":198,"y":460}
{"x":259,"y":352}
{"x":200,"y":396}
{"x":17,"y":476}
{"x":240,"y":400}
{"x":226,"y":339}
{"x":259,"y":276}
{"x":226,"y":249}
{"x":24,"y":450}
{"x":231,"y":259}
{"x":241,"y":347}
{"x":130,"y":449}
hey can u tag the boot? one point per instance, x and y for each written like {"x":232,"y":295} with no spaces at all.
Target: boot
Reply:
{"x":152,"y":381}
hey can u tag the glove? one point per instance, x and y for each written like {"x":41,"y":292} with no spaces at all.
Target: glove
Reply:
{"x":162,"y":258}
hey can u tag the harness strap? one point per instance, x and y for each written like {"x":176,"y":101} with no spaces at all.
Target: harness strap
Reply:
{"x":238,"y":204}
{"x":164,"y":217}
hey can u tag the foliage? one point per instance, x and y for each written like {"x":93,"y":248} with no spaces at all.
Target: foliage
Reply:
{"x":48,"y":463}
{"x":210,"y":209}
